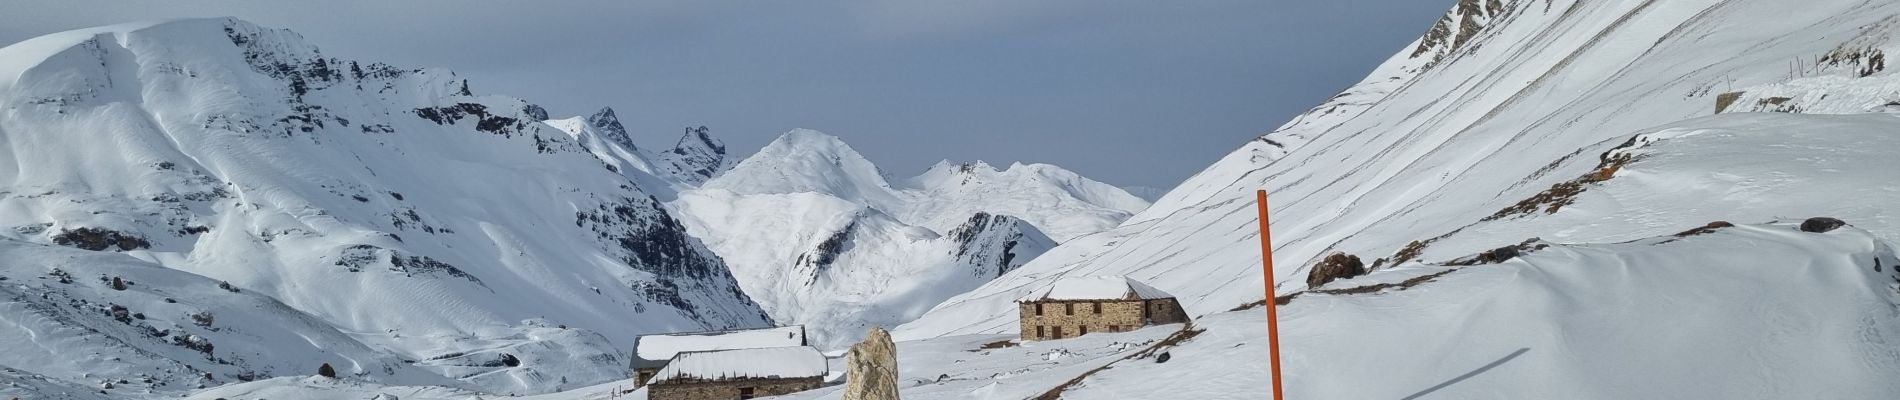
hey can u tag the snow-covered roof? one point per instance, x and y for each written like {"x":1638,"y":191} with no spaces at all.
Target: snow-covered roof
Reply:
{"x":659,"y":348}
{"x":1096,"y":288}
{"x":770,"y":362}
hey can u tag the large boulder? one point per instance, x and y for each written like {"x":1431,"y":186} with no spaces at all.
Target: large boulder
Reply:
{"x":1336,"y":266}
{"x":871,"y":368}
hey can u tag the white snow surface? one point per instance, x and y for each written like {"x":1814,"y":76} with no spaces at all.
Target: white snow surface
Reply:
{"x":1096,"y":288}
{"x":1429,"y":148}
{"x":664,"y":346}
{"x":767,"y":362}
{"x":1661,"y":317}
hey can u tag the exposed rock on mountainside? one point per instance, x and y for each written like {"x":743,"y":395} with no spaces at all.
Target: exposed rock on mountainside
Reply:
{"x":1336,"y":266}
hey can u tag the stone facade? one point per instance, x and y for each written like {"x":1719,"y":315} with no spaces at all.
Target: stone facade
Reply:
{"x":731,"y":389}
{"x":1061,"y":319}
{"x":642,"y":375}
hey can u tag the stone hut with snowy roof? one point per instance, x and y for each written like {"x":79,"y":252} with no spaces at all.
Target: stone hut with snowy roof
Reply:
{"x":1076,"y":306}
{"x":739,"y":374}
{"x":651,"y":353}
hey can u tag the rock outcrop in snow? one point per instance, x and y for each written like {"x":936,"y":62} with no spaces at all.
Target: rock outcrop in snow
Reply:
{"x":696,"y":158}
{"x":871,"y":368}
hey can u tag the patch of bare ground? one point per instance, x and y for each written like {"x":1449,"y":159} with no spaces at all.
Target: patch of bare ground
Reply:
{"x":1565,"y":193}
{"x":1377,"y":287}
{"x":1705,"y":229}
{"x":1499,"y":255}
{"x":1005,"y":343}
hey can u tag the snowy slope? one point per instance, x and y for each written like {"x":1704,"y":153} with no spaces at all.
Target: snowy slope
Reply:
{"x":386,"y":220}
{"x":1674,"y":316}
{"x":1059,"y":202}
{"x":1665,"y":317}
{"x":1462,"y":148}
{"x":818,"y":235}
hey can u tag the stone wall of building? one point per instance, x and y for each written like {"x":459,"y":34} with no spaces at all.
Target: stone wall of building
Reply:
{"x":1070,"y":318}
{"x":1061,"y":319}
{"x":731,"y":389}
{"x":1165,"y":311}
{"x":641,"y":375}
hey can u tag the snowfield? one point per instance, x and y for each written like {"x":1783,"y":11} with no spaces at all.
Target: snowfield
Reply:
{"x":1663,"y":317}
{"x":1559,"y":199}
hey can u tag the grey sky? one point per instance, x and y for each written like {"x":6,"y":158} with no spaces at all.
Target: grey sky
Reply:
{"x":1129,"y":92}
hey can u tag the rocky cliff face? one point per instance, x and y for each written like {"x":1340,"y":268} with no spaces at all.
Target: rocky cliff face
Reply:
{"x":696,"y":158}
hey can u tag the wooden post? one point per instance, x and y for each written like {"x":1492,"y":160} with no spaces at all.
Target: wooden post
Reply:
{"x":1273,"y":317}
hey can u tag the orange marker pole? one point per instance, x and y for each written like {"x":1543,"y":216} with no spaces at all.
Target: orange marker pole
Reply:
{"x":1273,"y":317}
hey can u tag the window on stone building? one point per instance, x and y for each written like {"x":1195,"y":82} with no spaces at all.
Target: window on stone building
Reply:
{"x":1068,"y":308}
{"x":1082,"y":330}
{"x":1098,"y":306}
{"x":1038,"y":309}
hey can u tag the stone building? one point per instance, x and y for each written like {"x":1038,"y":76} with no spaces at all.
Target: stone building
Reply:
{"x":1076,"y":306}
{"x":653,"y":352}
{"x":739,"y":374}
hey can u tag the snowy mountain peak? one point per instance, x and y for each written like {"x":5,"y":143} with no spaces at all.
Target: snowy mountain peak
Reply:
{"x":1456,"y":29}
{"x":996,"y":244}
{"x":697,"y":157}
{"x":699,"y":139}
{"x":808,"y":161}
{"x":608,"y":124}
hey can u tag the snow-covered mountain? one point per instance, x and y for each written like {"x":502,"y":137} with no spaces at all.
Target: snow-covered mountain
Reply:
{"x":1557,"y":199}
{"x":698,"y":156}
{"x":819,"y":236}
{"x":205,"y":201}
{"x":1572,"y":121}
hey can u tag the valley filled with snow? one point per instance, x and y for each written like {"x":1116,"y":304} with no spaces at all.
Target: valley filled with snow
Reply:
{"x":819,"y":236}
{"x":1553,"y":199}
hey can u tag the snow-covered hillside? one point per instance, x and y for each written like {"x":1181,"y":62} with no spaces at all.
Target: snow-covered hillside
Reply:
{"x":1675,"y":316}
{"x":818,"y":236}
{"x":1571,"y":121}
{"x":270,"y":209}
{"x":1664,"y":317}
